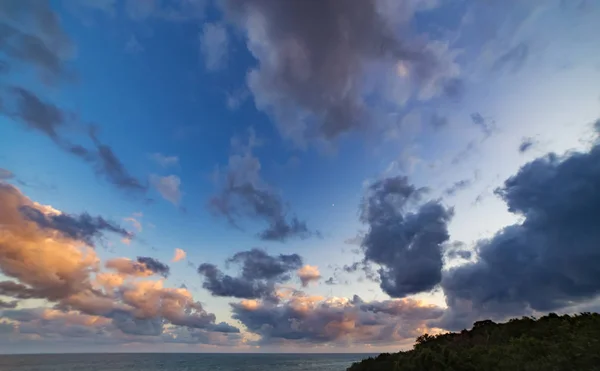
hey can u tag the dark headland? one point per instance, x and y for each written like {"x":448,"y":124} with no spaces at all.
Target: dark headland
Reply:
{"x":552,"y":342}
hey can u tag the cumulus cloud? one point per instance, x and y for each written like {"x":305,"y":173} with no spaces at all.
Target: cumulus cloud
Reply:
{"x":308,"y":273}
{"x":47,"y":260}
{"x":551,"y":255}
{"x":213,"y":45}
{"x":245,"y":194}
{"x":406,"y":244}
{"x":179,"y":255}
{"x":257,"y":278}
{"x":168,"y":187}
{"x":313,"y":58}
{"x":306,"y":319}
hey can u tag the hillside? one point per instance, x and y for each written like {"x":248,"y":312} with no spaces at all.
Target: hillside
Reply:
{"x":549,"y":343}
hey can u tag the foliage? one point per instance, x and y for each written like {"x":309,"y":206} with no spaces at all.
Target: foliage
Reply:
{"x":552,"y":343}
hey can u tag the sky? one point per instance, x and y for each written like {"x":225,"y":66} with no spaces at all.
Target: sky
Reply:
{"x":293,"y":176}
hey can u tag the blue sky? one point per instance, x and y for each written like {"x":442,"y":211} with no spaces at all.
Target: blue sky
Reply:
{"x":288,"y":134}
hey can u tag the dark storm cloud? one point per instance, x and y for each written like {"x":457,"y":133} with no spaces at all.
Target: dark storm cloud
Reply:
{"x":131,"y":325}
{"x":155,"y":265}
{"x":488,"y":127}
{"x":82,"y":227}
{"x":548,"y":261}
{"x":526,"y":145}
{"x":406,"y":244}
{"x":313,"y":57}
{"x":458,"y":250}
{"x":244,"y":194}
{"x":259,"y":273}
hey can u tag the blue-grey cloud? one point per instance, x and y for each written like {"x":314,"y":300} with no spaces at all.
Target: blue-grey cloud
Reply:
{"x":513,"y":59}
{"x":485,"y":124}
{"x":548,"y":261}
{"x":155,"y":265}
{"x":321,"y":73}
{"x":8,"y":304}
{"x":458,"y":186}
{"x":80,"y":227}
{"x":259,"y":273}
{"x":526,"y":144}
{"x":244,"y":194}
{"x":406,"y":244}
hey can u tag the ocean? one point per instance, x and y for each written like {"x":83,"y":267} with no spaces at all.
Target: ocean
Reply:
{"x":178,"y":362}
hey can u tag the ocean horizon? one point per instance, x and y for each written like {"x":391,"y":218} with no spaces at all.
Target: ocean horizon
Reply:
{"x":141,"y":361}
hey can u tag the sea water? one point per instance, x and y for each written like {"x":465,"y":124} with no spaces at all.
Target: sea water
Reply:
{"x":178,"y":362}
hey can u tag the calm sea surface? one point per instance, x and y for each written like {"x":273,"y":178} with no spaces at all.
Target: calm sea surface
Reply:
{"x":178,"y":362}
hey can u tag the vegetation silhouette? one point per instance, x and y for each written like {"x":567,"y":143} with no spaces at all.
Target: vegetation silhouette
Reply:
{"x":550,"y":343}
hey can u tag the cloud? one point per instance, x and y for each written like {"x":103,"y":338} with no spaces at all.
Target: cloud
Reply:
{"x":213,"y":45}
{"x":179,"y":255}
{"x":6,"y":174}
{"x":155,"y":265}
{"x":133,"y":45}
{"x":526,"y":144}
{"x":8,"y":304}
{"x":165,"y":161}
{"x":406,"y":244}
{"x":308,"y":273}
{"x":313,"y":59}
{"x":45,"y":262}
{"x":438,"y":121}
{"x":168,"y":187}
{"x":488,"y":127}
{"x":46,"y":118}
{"x":245,"y":194}
{"x":458,"y":186}
{"x":82,"y":227}
{"x":177,"y":11}
{"x":512,"y":59}
{"x":551,"y":255}
{"x":259,"y":274}
{"x":314,"y":320}
{"x":32,"y":34}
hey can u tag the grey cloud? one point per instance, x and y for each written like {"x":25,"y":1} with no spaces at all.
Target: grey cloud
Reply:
{"x":45,"y":45}
{"x":80,"y":227}
{"x":129,"y":324}
{"x":313,"y":56}
{"x":50,"y":120}
{"x":552,"y":255}
{"x":311,"y":320}
{"x":19,"y":291}
{"x":155,"y":265}
{"x":513,"y":59}
{"x":485,"y":124}
{"x":213,"y":45}
{"x":458,"y":186}
{"x":6,"y":174}
{"x":406,"y":244}
{"x":457,"y":250}
{"x":526,"y":144}
{"x":245,"y":194}
{"x":438,"y":121}
{"x":259,"y":273}
{"x":8,"y":304}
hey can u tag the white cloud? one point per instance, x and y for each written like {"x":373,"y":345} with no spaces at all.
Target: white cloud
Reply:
{"x":164,"y":160}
